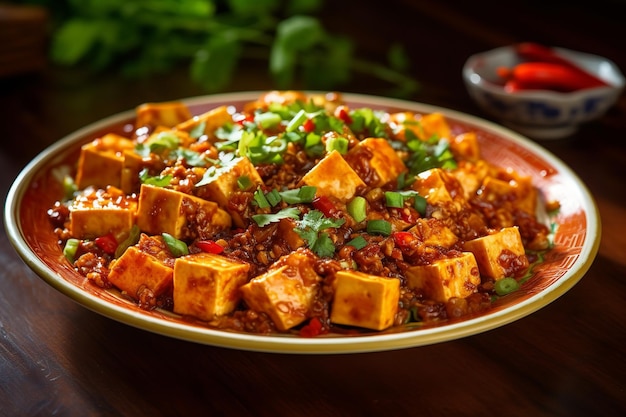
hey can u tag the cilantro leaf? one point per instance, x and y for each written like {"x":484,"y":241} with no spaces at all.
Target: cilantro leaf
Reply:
{"x":310,"y":229}
{"x":265,"y":219}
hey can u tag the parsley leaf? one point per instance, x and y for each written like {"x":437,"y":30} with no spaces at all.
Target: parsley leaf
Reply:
{"x":311,"y":227}
{"x":265,"y":219}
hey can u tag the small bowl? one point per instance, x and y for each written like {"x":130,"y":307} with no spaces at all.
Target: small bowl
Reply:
{"x":541,"y":114}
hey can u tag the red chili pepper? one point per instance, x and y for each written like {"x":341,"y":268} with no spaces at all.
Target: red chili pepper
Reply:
{"x":542,"y":75}
{"x":312,"y":329}
{"x":308,"y":126}
{"x":534,"y":52}
{"x":342,"y":114}
{"x":107,"y":243}
{"x":403,"y":239}
{"x":210,"y":246}
{"x":242,"y":119}
{"x":325,"y":205}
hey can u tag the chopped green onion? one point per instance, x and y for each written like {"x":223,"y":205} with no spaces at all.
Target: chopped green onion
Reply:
{"x":337,"y":143}
{"x":379,"y":227}
{"x":358,"y":242}
{"x":70,"y":249}
{"x":506,"y":286}
{"x":357,"y":208}
{"x":394,"y":199}
{"x":244,"y":182}
{"x":177,"y":247}
{"x":267,"y":120}
{"x":260,"y":199}
{"x":297,"y":121}
{"x":160,"y":181}
{"x":420,"y":204}
{"x":198,"y":130}
{"x":133,"y":238}
{"x":273,"y":197}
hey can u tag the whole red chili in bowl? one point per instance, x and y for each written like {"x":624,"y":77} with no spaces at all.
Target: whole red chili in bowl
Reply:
{"x":540,"y":91}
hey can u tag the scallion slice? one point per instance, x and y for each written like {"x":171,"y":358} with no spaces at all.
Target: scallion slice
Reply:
{"x":177,"y":247}
{"x":358,"y":242}
{"x":244,"y":182}
{"x":260,"y":199}
{"x":337,"y":143}
{"x":379,"y":227}
{"x":394,"y":199}
{"x":357,"y":208}
{"x":296,"y":121}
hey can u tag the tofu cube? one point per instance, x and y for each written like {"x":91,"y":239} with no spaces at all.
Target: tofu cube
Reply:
{"x":181,"y":215}
{"x":470,"y":176}
{"x":364,"y":300}
{"x":334,"y":177}
{"x":285,"y":292}
{"x":166,"y":114}
{"x":224,"y":184}
{"x":207,"y":285}
{"x":384,"y":161}
{"x":132,"y":166}
{"x":500,"y":254}
{"x":465,"y":146}
{"x":137,"y":271}
{"x":209,"y":121}
{"x":434,"y":233}
{"x":437,"y":186}
{"x":446,"y":278}
{"x":433,"y":124}
{"x":98,"y":212}
{"x":101,"y":161}
{"x":517,"y":191}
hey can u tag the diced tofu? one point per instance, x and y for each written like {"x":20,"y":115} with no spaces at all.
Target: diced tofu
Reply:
{"x":101,"y":161}
{"x":500,"y":254}
{"x":334,"y":177}
{"x":437,"y":186}
{"x":434,"y":233}
{"x":181,"y":215}
{"x":209,"y":121}
{"x":288,"y":234}
{"x":384,"y":161}
{"x":136,"y":271}
{"x":100,"y":212}
{"x":133,"y":164}
{"x":421,"y":126}
{"x":207,"y":285}
{"x":167,"y":114}
{"x":471,"y":176}
{"x":224,"y":183}
{"x":465,"y":146}
{"x":517,"y":191}
{"x":446,"y":278}
{"x":285,"y":292}
{"x":364,"y":300}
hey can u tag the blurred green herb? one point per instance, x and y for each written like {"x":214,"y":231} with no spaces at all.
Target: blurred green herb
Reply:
{"x":139,"y":38}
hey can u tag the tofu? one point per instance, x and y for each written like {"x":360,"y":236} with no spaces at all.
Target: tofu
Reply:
{"x":437,"y":186}
{"x":181,"y":215}
{"x":166,"y":114}
{"x":384,"y":161}
{"x":500,"y":254}
{"x":98,"y":212}
{"x":207,"y":285}
{"x":101,"y":161}
{"x":224,"y":184}
{"x":211,"y":120}
{"x":446,"y":278}
{"x":131,"y":167}
{"x":471,"y":176}
{"x":334,"y":177}
{"x":421,"y":126}
{"x":286,"y":291}
{"x":136,"y":271}
{"x":465,"y":147}
{"x":434,"y":233}
{"x":516,"y":191}
{"x":364,"y":300}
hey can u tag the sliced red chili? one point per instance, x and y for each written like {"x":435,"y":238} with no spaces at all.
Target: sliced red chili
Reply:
{"x":325,"y":205}
{"x":312,"y":329}
{"x":343,"y":115}
{"x":308,"y":126}
{"x":210,"y":246}
{"x":107,"y":243}
{"x":403,"y":239}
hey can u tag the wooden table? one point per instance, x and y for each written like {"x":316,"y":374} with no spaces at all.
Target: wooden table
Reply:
{"x":58,"y":358}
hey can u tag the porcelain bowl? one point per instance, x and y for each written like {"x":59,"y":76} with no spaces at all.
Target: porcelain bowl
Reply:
{"x":541,"y":114}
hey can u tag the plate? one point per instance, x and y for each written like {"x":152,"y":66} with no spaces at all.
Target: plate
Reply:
{"x":577,"y":238}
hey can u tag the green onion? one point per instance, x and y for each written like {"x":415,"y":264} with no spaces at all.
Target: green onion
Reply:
{"x":133,"y":238}
{"x":297,"y":121}
{"x":260,"y":199}
{"x":267,"y":120}
{"x":420,"y":204}
{"x":506,"y":286}
{"x":244,"y":182}
{"x":70,"y":249}
{"x":379,"y":227}
{"x":394,"y":199}
{"x":357,"y":208}
{"x":273,"y":197}
{"x":177,"y":247}
{"x":337,"y":143}
{"x":358,"y":242}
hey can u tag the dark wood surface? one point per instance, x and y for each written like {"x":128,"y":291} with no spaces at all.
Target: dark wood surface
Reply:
{"x":58,"y":358}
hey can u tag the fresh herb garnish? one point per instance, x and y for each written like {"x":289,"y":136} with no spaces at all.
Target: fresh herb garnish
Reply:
{"x":311,"y":229}
{"x":265,"y":219}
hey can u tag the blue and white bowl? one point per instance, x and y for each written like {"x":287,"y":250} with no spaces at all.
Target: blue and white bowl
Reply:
{"x":541,"y":114}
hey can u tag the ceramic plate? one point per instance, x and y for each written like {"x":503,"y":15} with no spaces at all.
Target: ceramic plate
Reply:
{"x":576,"y":238}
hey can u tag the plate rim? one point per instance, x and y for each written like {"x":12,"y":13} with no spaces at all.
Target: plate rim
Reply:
{"x":288,"y":344}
